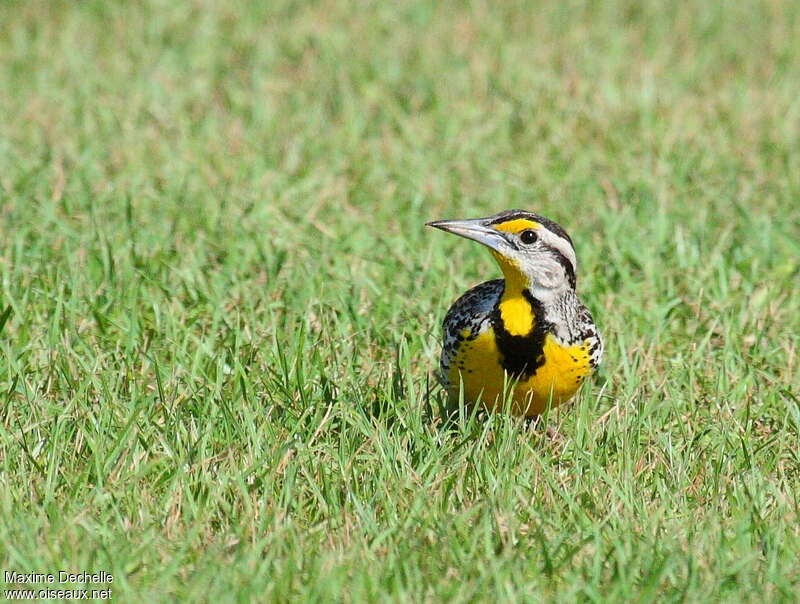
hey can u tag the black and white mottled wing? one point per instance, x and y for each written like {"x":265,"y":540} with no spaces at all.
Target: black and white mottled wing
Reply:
{"x":471,"y":312}
{"x":591,"y":336}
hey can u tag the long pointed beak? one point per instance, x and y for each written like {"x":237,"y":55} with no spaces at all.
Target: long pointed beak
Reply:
{"x":475,"y":229}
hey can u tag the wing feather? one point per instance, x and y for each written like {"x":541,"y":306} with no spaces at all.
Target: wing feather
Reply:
{"x":471,"y":312}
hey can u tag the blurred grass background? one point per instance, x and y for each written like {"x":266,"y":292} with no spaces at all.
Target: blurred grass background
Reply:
{"x":220,"y":308}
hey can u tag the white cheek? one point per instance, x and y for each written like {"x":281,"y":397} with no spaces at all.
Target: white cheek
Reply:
{"x":548,"y":276}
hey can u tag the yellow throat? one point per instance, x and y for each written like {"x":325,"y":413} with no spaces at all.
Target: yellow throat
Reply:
{"x":515,"y":309}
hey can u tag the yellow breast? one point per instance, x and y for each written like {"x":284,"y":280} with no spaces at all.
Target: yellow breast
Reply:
{"x":477,"y":369}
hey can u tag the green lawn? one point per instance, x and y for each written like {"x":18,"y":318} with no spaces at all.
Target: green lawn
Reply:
{"x":220,"y":309}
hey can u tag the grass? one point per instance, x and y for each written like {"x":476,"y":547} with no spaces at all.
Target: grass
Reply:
{"x":220,"y":308}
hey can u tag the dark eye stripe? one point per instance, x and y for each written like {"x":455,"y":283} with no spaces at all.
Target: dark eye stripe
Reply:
{"x":551,"y":226}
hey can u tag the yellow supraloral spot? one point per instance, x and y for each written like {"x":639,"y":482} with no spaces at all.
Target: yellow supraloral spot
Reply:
{"x":516,"y":226}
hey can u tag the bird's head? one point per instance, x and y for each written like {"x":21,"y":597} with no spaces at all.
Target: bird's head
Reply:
{"x":533,"y":252}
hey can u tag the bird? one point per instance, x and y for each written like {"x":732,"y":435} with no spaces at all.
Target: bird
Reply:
{"x":526,"y":337}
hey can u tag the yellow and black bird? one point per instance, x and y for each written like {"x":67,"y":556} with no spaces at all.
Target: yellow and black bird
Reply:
{"x":526,"y":336}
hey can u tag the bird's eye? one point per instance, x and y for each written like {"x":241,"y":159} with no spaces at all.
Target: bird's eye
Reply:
{"x":528,"y":236}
